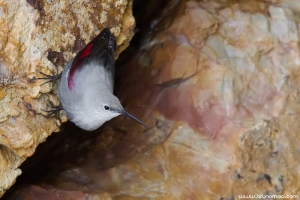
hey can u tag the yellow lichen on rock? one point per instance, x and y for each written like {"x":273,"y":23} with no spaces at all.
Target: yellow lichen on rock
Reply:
{"x":43,"y":36}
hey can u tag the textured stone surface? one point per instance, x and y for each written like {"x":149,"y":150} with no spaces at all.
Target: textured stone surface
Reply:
{"x":218,"y":87}
{"x":43,"y":36}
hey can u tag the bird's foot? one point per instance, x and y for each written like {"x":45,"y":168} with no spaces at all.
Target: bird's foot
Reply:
{"x":54,"y":110}
{"x":49,"y":78}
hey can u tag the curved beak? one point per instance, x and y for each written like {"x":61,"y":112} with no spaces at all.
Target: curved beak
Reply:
{"x":124,"y":112}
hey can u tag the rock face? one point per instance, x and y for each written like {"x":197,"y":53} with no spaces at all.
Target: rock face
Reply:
{"x":218,"y":87}
{"x":42,"y":36}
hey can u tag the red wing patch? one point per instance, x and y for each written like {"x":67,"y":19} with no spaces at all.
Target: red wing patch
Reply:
{"x":86,"y":51}
{"x":71,"y":74}
{"x":76,"y":64}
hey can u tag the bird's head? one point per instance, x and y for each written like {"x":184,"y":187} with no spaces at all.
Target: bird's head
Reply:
{"x":111,"y":107}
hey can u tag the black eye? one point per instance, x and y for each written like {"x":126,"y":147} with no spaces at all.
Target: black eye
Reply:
{"x":106,"y":107}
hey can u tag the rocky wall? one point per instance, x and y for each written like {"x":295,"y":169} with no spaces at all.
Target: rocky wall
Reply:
{"x":217,"y":83}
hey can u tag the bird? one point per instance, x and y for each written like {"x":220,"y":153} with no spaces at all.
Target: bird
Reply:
{"x":86,"y":84}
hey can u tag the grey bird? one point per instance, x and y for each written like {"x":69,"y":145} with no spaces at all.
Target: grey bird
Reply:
{"x":87,"y":82}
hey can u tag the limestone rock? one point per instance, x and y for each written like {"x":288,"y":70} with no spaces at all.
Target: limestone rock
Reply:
{"x":42,"y":36}
{"x":218,"y":87}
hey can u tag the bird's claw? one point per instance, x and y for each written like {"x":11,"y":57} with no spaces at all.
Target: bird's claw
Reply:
{"x":48,"y":77}
{"x":54,"y":110}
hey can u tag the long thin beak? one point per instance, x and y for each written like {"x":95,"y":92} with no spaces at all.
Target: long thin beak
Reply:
{"x":124,"y":112}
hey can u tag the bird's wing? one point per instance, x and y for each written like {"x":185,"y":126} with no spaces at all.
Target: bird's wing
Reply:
{"x":99,"y":52}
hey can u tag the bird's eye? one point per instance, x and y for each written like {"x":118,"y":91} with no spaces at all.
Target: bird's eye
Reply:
{"x":106,"y":107}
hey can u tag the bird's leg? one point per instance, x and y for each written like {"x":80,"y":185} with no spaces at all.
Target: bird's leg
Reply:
{"x":49,"y":78}
{"x":54,"y":110}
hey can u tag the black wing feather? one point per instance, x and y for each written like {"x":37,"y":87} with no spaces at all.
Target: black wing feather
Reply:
{"x":100,"y":50}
